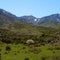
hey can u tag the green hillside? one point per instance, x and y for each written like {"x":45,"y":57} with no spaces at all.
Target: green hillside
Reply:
{"x":46,"y":44}
{"x":50,"y":24}
{"x":23,"y":41}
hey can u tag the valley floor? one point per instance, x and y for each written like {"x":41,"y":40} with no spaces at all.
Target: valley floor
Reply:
{"x":29,"y":52}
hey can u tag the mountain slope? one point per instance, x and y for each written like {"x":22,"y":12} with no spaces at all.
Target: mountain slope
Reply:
{"x":50,"y":21}
{"x":12,"y":30}
{"x":47,"y":21}
{"x":29,"y":19}
{"x":12,"y":23}
{"x":6,"y":17}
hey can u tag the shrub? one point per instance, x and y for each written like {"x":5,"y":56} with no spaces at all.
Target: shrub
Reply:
{"x":0,"y":54}
{"x":0,"y":49}
{"x":35,"y":50}
{"x":55,"y":57}
{"x":15,"y":53}
{"x":18,"y":51}
{"x":6,"y":52}
{"x":0,"y":58}
{"x":53,"y":51}
{"x":43,"y":58}
{"x":8,"y":48}
{"x":50,"y":49}
{"x":26,"y":58}
{"x":57,"y":48}
{"x":24,"y":48}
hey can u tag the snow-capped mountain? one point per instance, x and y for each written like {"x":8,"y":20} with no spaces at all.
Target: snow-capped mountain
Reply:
{"x":31,"y":19}
{"x":49,"y":21}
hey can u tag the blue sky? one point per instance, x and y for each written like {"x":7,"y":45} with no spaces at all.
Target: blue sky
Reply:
{"x":37,"y":8}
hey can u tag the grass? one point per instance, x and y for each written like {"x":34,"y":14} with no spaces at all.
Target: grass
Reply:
{"x":20,"y":52}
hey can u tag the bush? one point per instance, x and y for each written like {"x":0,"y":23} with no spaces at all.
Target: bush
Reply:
{"x":55,"y":57}
{"x":8,"y":48}
{"x":0,"y":49}
{"x":43,"y":58}
{"x":15,"y":53}
{"x":26,"y":58}
{"x":24,"y":48}
{"x":53,"y":51}
{"x":0,"y":54}
{"x":50,"y":49}
{"x":57,"y":48}
{"x":35,"y":50}
{"x":6,"y":52}
{"x":0,"y":58}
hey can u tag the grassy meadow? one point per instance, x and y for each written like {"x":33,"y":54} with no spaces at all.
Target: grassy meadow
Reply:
{"x":29,"y":52}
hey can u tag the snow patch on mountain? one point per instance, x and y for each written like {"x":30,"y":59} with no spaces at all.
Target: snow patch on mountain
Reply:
{"x":58,"y":19}
{"x":35,"y":20}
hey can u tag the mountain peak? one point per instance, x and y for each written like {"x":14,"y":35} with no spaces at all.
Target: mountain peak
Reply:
{"x":3,"y":11}
{"x":28,"y":19}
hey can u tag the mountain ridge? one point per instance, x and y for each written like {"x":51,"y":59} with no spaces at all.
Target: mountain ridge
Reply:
{"x":47,"y":21}
{"x":55,"y":16}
